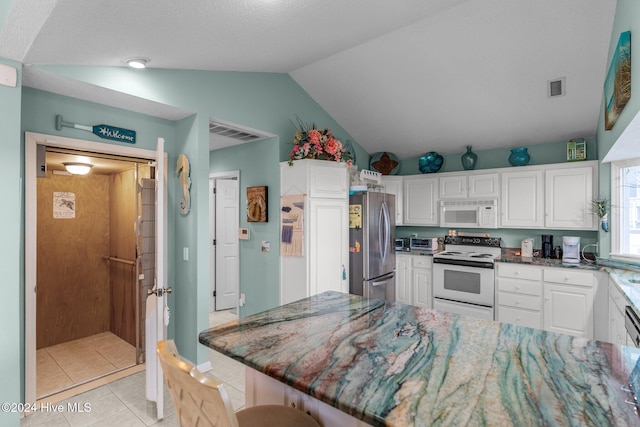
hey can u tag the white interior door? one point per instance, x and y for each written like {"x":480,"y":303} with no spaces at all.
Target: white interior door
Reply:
{"x":156,"y":323}
{"x":226,"y":243}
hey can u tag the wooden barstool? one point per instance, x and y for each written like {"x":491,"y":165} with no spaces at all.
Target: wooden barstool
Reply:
{"x":202,"y":401}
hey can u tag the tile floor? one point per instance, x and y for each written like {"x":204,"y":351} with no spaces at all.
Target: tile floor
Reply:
{"x":66,"y":365}
{"x":123,"y":402}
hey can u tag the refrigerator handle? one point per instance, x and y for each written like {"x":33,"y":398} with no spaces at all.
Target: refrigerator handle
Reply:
{"x":385,"y":229}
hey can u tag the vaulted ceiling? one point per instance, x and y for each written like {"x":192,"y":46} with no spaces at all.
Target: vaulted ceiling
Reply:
{"x":406,"y":76}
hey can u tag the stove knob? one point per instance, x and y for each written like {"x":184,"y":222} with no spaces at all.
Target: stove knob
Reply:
{"x":476,"y":240}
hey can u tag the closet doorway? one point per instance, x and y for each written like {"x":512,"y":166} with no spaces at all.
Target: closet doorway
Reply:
{"x":95,"y":252}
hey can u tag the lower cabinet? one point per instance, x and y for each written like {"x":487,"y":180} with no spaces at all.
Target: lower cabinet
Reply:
{"x":519,"y":295}
{"x":404,"y":293}
{"x":617,"y":302}
{"x":554,"y":299}
{"x":413,"y":280}
{"x":568,"y":301}
{"x":422,"y":288}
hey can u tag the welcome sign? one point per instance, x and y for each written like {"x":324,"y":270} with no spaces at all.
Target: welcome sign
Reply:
{"x":103,"y":131}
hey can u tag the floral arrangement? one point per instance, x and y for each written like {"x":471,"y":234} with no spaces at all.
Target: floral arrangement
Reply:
{"x":313,"y":143}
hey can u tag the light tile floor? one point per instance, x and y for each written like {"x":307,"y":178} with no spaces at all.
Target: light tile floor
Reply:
{"x":66,"y":365}
{"x":123,"y":402}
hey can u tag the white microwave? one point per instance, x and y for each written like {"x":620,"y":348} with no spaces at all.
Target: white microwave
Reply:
{"x":469,"y":213}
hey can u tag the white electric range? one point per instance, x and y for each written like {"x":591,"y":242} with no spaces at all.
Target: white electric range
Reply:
{"x":463,"y":276}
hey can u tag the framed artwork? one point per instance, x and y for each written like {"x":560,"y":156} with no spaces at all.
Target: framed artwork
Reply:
{"x":576,"y":150}
{"x":257,"y":204}
{"x":617,"y":85}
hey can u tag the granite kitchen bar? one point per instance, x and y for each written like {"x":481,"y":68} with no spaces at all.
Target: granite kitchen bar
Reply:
{"x":389,"y":364}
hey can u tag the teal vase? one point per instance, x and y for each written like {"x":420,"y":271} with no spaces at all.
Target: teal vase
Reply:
{"x":519,"y":157}
{"x":469,"y":159}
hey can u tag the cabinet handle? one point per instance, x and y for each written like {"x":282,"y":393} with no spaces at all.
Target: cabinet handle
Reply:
{"x":518,"y":288}
{"x":517,"y":302}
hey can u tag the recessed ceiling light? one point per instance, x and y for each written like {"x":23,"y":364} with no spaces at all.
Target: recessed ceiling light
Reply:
{"x":137,"y":62}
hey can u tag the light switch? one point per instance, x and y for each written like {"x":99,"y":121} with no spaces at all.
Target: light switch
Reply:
{"x":185,"y":254}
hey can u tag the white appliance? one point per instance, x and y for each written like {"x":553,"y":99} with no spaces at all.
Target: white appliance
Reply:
{"x":469,"y":213}
{"x":526,"y":248}
{"x":571,"y":249}
{"x":463,"y":276}
{"x":423,"y":244}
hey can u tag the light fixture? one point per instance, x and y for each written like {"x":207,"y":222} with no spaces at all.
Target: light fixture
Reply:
{"x":77,"y":168}
{"x":137,"y":62}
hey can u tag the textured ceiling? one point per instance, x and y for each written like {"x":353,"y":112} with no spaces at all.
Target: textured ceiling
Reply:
{"x":407,"y":76}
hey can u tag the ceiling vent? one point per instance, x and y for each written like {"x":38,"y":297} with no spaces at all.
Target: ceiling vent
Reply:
{"x":222,"y":135}
{"x":556,"y":87}
{"x":233,"y":132}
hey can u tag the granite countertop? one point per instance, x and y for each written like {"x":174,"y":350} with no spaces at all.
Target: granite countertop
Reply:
{"x":391,"y":364}
{"x":628,"y":281}
{"x":544,"y":262}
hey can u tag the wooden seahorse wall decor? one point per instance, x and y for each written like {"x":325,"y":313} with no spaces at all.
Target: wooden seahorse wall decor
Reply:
{"x":183,"y":171}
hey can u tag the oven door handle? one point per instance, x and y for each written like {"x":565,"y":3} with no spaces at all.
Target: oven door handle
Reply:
{"x":464,"y":263}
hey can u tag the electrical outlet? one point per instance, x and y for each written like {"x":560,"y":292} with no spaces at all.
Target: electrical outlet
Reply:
{"x":242,"y":300}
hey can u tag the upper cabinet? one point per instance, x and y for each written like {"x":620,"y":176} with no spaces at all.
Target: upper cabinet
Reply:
{"x":522,"y":199}
{"x":420,"y":200}
{"x":393,"y":185}
{"x":471,"y":185}
{"x":568,"y":195}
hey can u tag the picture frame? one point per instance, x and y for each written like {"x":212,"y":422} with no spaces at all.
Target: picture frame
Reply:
{"x":257,"y":204}
{"x":576,"y":150}
{"x":617,"y":85}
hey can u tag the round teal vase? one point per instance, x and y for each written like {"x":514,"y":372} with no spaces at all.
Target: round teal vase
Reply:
{"x":430,"y":162}
{"x":519,"y":157}
{"x":469,"y":159}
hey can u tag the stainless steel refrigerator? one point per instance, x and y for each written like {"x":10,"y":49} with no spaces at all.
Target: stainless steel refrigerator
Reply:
{"x":372,"y":256}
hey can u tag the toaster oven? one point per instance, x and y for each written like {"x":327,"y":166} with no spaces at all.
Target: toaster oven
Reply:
{"x":423,"y":244}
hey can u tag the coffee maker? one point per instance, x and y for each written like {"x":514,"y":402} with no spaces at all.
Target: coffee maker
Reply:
{"x":547,"y":246}
{"x":571,"y":249}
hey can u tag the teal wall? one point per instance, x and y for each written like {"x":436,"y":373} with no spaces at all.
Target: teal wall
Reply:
{"x":258,"y":164}
{"x":627,"y":18}
{"x":541,"y":154}
{"x":264,"y":101}
{"x":11,"y":253}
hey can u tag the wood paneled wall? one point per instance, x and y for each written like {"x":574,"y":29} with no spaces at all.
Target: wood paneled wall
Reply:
{"x":123,"y":245}
{"x":124,"y":284}
{"x":73,"y":297}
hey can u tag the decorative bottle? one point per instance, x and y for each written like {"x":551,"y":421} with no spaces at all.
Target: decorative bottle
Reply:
{"x":469,"y":159}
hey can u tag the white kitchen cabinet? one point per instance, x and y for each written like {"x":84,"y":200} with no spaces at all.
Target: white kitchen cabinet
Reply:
{"x":324,"y":262}
{"x":522,"y":199}
{"x":568,"y":301}
{"x":569,"y":191}
{"x":617,"y":303}
{"x":519,"y":294}
{"x":394,"y":185}
{"x":404,"y":292}
{"x":484,"y":186}
{"x":420,"y":200}
{"x":422,"y":287}
{"x":471,"y":185}
{"x":453,"y":187}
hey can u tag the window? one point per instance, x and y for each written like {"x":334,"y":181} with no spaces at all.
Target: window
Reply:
{"x":625,"y":200}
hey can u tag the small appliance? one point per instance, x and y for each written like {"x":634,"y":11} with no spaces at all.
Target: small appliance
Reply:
{"x":423,"y":244}
{"x":526,"y":248}
{"x":547,"y":246}
{"x":402,"y":244}
{"x":571,"y":249}
{"x":469,"y":213}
